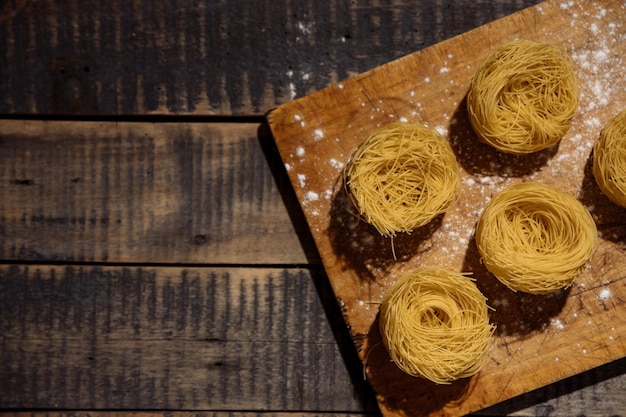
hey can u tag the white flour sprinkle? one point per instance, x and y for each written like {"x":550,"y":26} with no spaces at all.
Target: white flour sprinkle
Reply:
{"x":593,"y":122}
{"x":597,"y":65}
{"x":558,"y":324}
{"x":605,"y":294}
{"x":302,"y":180}
{"x":312,"y":196}
{"x":469,"y":181}
{"x":305,"y":27}
{"x":335,"y":163}
{"x":318,"y":134}
{"x":292,"y":91}
{"x":300,"y":151}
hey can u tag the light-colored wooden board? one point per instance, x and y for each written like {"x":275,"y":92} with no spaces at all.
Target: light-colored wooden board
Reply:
{"x":141,"y":192}
{"x":540,"y":339}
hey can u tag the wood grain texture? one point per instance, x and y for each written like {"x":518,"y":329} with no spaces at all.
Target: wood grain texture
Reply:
{"x":138,"y":333}
{"x":89,"y":413}
{"x":168,"y":338}
{"x":141,"y":192}
{"x":223,"y":57}
{"x":62,"y":310}
{"x":539,"y":340}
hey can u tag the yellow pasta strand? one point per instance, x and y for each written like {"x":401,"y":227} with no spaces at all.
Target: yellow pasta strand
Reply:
{"x":535,"y":238}
{"x":609,"y":159}
{"x":523,"y":97}
{"x":434,"y":322}
{"x":401,"y":177}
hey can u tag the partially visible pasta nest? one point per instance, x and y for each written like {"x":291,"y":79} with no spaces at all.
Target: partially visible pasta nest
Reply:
{"x":434,"y":323}
{"x":535,"y":238}
{"x":609,"y":159}
{"x":523,"y":97}
{"x":401,"y":177}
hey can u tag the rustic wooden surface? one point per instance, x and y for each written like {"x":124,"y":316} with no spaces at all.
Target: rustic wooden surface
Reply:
{"x":141,"y":192}
{"x":154,"y":263}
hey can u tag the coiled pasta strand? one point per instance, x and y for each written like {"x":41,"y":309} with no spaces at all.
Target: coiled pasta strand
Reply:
{"x":535,"y":238}
{"x":523,"y":97}
{"x":609,"y":159}
{"x":434,"y":323}
{"x":401,"y":177}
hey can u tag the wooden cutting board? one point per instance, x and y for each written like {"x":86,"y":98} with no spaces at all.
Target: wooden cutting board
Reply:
{"x":539,"y":339}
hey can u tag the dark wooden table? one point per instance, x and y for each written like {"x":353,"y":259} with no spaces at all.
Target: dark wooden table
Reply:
{"x":153,"y":257}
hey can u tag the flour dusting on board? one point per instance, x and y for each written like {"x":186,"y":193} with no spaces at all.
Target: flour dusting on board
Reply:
{"x":361,"y":268}
{"x":596,"y":67}
{"x":604,"y":295}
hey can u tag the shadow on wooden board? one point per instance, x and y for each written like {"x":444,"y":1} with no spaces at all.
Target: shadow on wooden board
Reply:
{"x":363,"y":391}
{"x":379,"y":357}
{"x":479,"y":158}
{"x":609,"y":217}
{"x":381,"y":252}
{"x":515,"y":313}
{"x":405,"y":394}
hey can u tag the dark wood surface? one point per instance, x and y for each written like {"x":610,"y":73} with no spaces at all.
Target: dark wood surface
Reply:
{"x":154,"y":257}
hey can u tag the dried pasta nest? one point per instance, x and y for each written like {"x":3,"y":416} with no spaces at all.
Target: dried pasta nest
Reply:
{"x":435,"y":324}
{"x":401,"y":177}
{"x":523,"y":97}
{"x":535,"y":238}
{"x":609,"y":159}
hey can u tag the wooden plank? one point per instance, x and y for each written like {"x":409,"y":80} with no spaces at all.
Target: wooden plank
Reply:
{"x":142,"y":192}
{"x":90,"y":413}
{"x":98,"y":338}
{"x":209,"y":57}
{"x":539,"y":341}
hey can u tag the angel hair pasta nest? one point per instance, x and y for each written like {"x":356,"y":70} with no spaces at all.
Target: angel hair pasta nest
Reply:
{"x":535,"y":238}
{"x":523,"y":97}
{"x":401,"y":177}
{"x":435,"y":324}
{"x":609,"y":159}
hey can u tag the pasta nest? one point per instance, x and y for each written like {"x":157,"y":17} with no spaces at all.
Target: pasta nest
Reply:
{"x":535,"y":238}
{"x":435,"y":324}
{"x":401,"y":177}
{"x":609,"y":159}
{"x":523,"y":97}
